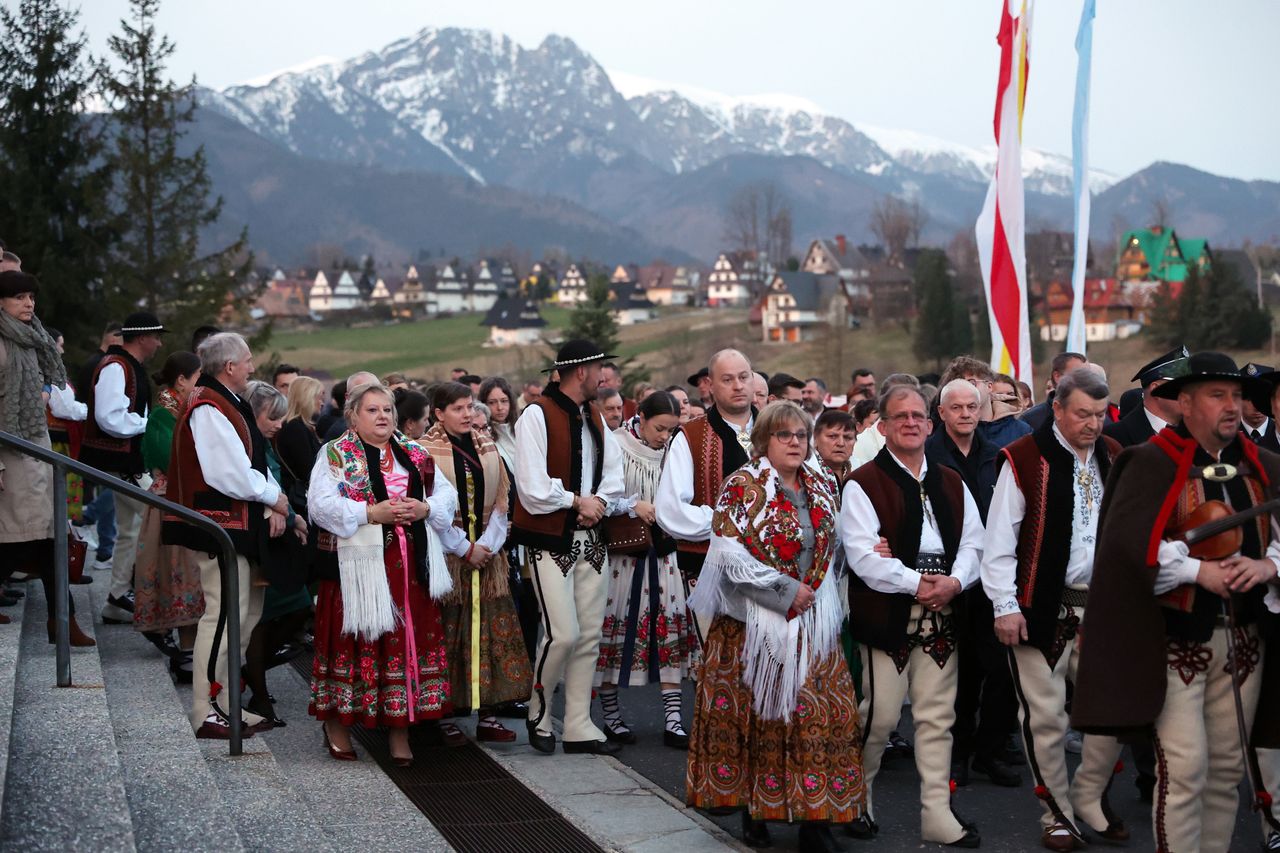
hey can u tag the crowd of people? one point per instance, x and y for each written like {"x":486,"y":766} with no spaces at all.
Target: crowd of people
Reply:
{"x":811,"y":561}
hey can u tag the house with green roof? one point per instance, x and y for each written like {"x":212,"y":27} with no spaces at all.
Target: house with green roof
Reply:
{"x":1157,"y":254}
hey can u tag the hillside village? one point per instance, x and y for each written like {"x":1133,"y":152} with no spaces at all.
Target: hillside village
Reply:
{"x":834,"y":285}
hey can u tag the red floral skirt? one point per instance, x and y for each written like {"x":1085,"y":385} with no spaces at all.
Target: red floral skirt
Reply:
{"x":807,"y":769}
{"x":359,"y":681}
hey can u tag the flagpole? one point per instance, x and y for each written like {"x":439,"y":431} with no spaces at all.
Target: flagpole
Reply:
{"x":1080,"y":176}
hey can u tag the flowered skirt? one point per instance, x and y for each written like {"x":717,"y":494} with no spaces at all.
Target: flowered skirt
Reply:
{"x":505,"y":673}
{"x":75,"y":484}
{"x":166,"y":581}
{"x":358,"y":681}
{"x":648,"y":635}
{"x":807,"y":769}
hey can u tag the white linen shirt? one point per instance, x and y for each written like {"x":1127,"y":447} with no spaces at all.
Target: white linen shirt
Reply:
{"x":111,"y":405}
{"x":860,"y":533}
{"x":543,"y":494}
{"x":342,"y":517}
{"x":1004,"y":520}
{"x":223,"y":462}
{"x":673,"y":502}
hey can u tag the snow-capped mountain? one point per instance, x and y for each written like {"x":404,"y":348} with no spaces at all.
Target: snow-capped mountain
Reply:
{"x":479,"y":103}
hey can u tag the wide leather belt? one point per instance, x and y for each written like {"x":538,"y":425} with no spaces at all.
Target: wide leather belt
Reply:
{"x":933,"y":564}
{"x":1074,"y":597}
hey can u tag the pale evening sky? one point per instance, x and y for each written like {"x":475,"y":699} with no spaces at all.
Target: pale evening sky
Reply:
{"x":1177,"y":80}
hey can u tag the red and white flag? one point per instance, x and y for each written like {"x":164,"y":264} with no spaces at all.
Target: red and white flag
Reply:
{"x":1001,"y":228}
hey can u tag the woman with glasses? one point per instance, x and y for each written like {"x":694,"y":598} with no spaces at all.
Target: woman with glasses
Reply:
{"x":776,"y":729}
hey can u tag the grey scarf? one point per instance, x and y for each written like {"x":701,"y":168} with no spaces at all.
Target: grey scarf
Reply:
{"x":33,"y":363}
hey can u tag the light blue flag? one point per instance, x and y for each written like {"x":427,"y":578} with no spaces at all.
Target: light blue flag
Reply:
{"x":1080,"y":176}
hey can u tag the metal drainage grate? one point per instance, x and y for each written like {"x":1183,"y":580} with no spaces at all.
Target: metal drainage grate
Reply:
{"x":477,"y":805}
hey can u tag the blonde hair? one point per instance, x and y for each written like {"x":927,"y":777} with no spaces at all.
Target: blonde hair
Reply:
{"x":777,"y":415}
{"x":359,"y":393}
{"x":302,"y":399}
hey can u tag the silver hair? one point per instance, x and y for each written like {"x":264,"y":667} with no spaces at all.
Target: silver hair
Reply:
{"x":216,"y":351}
{"x":266,"y":400}
{"x":958,"y":385}
{"x":1081,"y":379}
{"x":482,"y":408}
{"x":353,"y":383}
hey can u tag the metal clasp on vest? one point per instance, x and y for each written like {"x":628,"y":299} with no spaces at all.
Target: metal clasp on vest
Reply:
{"x":1220,"y":472}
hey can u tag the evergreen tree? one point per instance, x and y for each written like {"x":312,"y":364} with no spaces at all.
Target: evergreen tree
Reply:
{"x":54,"y":209}
{"x":592,"y":318}
{"x":1163,"y":325}
{"x":938,"y":337}
{"x":164,"y":192}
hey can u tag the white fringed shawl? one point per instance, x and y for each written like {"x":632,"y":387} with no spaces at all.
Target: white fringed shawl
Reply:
{"x":778,"y":651}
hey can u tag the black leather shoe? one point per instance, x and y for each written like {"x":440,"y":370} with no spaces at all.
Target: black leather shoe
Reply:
{"x":675,"y":741}
{"x":619,"y":735}
{"x":960,"y":773}
{"x":1012,"y":753}
{"x":755,"y":833}
{"x":863,"y":829}
{"x":817,"y":838}
{"x":539,"y":741}
{"x":997,"y":771}
{"x":591,"y":747}
{"x":512,"y":711}
{"x":970,"y":839}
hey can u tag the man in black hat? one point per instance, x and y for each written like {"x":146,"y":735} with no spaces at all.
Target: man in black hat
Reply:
{"x":1155,"y":413}
{"x":1155,"y":656}
{"x":118,"y":400}
{"x":568,"y":475}
{"x":702,"y":382}
{"x":1256,"y":413}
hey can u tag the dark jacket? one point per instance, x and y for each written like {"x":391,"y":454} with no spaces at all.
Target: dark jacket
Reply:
{"x":1039,"y":413}
{"x":1133,"y":428}
{"x":978,"y":469}
{"x":1268,"y":439}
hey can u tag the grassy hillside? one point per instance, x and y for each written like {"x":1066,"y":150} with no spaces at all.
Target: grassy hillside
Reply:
{"x":671,"y":348}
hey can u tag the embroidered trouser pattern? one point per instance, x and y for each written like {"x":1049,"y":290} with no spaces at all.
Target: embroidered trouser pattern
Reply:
{"x":572,"y":598}
{"x":1199,"y":761}
{"x":932,"y":688}
{"x":1041,"y":687}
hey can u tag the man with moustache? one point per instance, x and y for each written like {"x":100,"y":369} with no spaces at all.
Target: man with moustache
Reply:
{"x":568,"y":474}
{"x":1155,"y":655}
{"x":900,"y":605}
{"x":702,"y":454}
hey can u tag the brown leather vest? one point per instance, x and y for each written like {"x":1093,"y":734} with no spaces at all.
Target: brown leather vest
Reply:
{"x":554,"y":531}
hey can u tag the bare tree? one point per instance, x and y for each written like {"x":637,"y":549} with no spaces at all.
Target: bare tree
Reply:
{"x":897,"y":223}
{"x":758,"y":222}
{"x":1161,"y":212}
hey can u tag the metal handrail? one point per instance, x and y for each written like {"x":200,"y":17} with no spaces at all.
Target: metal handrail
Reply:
{"x":62,"y":583}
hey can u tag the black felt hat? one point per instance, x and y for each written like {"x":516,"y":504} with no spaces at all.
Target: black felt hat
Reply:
{"x":576,"y":353}
{"x":1269,"y":377}
{"x":695,"y":378}
{"x":142,"y":323}
{"x":15,"y":283}
{"x":1209,"y":367}
{"x":1168,"y":366}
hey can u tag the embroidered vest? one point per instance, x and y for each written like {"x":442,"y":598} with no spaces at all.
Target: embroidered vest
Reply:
{"x":1044,"y":473}
{"x":98,"y":448}
{"x":553,"y":531}
{"x":187,"y":486}
{"x":880,"y":619}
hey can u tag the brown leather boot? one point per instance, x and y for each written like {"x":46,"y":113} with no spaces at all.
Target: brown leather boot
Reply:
{"x":79,"y":639}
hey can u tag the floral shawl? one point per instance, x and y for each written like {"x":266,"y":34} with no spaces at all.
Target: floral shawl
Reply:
{"x":368,"y":609}
{"x":756,"y":535}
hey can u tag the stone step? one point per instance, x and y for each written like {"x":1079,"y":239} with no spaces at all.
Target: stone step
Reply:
{"x":10,"y":635}
{"x":65,"y":785}
{"x":355,"y":803}
{"x":173,"y":798}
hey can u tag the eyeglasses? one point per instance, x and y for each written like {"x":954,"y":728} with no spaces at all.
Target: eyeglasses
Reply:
{"x":786,"y":436}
